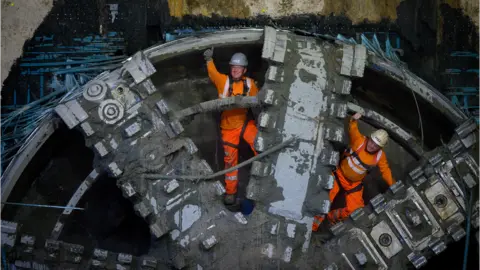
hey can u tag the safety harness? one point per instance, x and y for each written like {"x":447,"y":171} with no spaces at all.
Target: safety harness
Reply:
{"x":355,"y":189}
{"x":350,"y":153}
{"x":227,"y":92}
{"x":228,"y":88}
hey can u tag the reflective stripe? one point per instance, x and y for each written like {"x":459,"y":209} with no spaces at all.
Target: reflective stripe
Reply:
{"x":358,"y":163}
{"x":225,"y":88}
{"x":353,"y":167}
{"x":231,"y":178}
{"x":360,"y":145}
{"x":379,"y":155}
{"x":358,"y":148}
{"x":249,"y":85}
{"x":317,"y":221}
{"x":336,"y":214}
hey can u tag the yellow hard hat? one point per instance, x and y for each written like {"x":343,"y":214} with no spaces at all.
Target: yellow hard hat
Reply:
{"x":380,"y":137}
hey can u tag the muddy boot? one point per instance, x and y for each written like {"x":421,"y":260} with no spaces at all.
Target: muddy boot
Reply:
{"x":229,"y":199}
{"x":232,"y":203}
{"x":323,"y":234}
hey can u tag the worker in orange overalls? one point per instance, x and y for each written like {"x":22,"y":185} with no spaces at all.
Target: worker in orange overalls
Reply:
{"x":234,"y":123}
{"x":364,"y":154}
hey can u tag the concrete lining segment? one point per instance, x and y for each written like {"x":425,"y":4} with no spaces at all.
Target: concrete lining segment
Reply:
{"x":402,"y":137}
{"x":202,"y":42}
{"x":293,"y":180}
{"x":419,"y":86}
{"x":305,"y":104}
{"x":81,"y":190}
{"x":385,"y":122}
{"x":254,"y":35}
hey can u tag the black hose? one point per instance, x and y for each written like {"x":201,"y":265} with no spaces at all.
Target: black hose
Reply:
{"x":214,"y":175}
{"x":218,"y":105}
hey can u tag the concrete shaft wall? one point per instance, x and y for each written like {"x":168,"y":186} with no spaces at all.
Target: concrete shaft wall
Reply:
{"x":20,"y":19}
{"x":372,"y":11}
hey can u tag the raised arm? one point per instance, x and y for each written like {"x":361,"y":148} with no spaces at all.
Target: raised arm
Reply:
{"x":353,"y":131}
{"x":385,"y":170}
{"x":216,"y":77}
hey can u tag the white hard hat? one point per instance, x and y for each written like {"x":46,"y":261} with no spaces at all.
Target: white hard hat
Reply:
{"x":380,"y":137}
{"x":239,"y":59}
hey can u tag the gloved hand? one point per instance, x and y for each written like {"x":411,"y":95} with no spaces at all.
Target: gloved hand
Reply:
{"x":357,"y":116}
{"x":208,"y":54}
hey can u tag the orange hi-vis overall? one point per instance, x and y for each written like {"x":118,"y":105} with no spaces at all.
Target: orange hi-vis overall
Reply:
{"x":354,"y":166}
{"x":234,"y":124}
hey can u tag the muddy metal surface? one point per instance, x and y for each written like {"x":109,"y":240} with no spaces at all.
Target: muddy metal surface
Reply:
{"x":89,"y":229}
{"x":135,"y":141}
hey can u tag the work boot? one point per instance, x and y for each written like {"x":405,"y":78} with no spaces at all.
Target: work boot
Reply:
{"x":229,"y":199}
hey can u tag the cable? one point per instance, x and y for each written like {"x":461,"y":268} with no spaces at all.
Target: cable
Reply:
{"x":419,"y":117}
{"x":455,"y":167}
{"x":212,"y":176}
{"x":43,"y":205}
{"x":418,"y":109}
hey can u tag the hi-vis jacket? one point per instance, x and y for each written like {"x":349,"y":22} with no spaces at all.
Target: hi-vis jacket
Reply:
{"x":357,"y":161}
{"x":234,"y":118}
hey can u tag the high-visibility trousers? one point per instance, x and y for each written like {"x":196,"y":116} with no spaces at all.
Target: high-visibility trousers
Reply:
{"x":231,"y":140}
{"x":353,"y":199}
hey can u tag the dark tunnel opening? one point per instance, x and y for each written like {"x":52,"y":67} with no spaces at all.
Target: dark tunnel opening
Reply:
{"x":52,"y":177}
{"x":192,"y":66}
{"x":109,"y":221}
